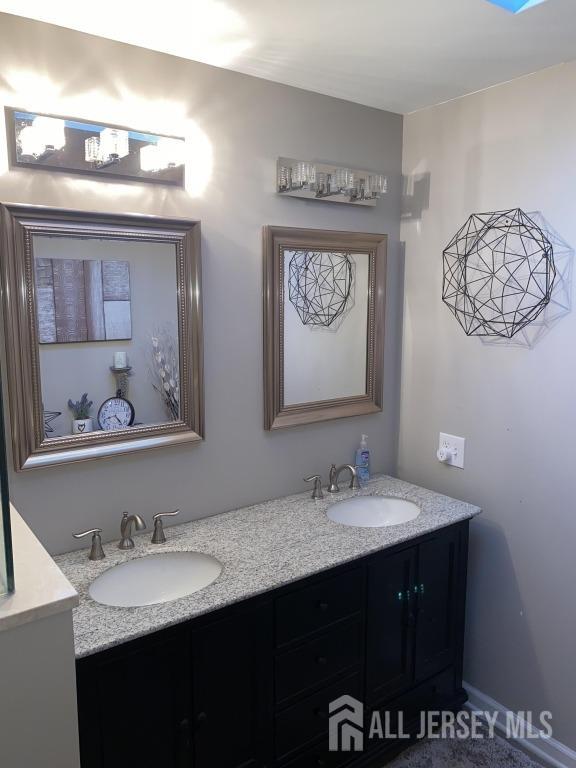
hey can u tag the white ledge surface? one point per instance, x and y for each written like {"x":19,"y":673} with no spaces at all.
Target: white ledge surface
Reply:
{"x":41,"y":587}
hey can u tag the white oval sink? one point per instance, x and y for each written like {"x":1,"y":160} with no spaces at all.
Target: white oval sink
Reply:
{"x":155,"y":579}
{"x":373,"y":511}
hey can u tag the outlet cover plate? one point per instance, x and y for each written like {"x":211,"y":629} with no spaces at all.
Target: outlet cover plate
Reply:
{"x":456,"y":445}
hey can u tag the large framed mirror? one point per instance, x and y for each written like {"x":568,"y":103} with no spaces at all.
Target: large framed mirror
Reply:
{"x":103,"y":333}
{"x":324,"y":296}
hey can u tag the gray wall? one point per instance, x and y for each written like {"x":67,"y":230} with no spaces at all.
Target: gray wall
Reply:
{"x":514,"y":145}
{"x":239,"y":125}
{"x":38,"y":717}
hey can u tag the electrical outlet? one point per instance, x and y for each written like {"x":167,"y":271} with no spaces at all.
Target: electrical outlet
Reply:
{"x":451,"y":450}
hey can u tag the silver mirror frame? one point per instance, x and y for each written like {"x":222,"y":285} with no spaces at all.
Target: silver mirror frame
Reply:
{"x":19,"y":223}
{"x":276,"y":240}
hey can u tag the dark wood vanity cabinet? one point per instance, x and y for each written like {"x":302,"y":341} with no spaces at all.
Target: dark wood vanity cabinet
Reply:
{"x":249,"y":686}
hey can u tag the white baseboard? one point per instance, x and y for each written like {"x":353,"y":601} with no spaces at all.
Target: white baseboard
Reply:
{"x":550,"y":752}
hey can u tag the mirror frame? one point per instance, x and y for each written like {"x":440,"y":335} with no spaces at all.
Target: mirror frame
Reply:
{"x":276,"y":240}
{"x":19,"y":223}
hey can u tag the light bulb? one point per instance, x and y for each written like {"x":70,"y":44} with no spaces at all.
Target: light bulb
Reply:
{"x":31,"y":143}
{"x":113,"y":144}
{"x":51,"y":131}
{"x":166,"y":153}
{"x":45,"y":134}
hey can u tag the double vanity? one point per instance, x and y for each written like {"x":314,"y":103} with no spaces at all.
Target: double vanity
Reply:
{"x":223,"y":646}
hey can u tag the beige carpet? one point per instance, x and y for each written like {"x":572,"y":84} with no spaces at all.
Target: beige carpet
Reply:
{"x":463,"y":753}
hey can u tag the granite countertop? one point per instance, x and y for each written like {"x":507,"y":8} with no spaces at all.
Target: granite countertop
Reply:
{"x":261,"y":547}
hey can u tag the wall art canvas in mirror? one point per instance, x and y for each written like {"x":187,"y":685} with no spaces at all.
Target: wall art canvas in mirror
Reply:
{"x":81,"y":299}
{"x":104,"y":333}
{"x":323,"y":324}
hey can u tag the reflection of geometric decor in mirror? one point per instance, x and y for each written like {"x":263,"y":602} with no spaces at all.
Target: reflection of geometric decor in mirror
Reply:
{"x":150,"y":265}
{"x":319,"y":285}
{"x":332,"y":183}
{"x":53,"y":143}
{"x":498,"y":273}
{"x":323,"y":344}
{"x":82,"y":300}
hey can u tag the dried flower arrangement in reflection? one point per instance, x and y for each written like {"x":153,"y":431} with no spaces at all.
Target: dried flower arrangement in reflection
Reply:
{"x":165,"y":369}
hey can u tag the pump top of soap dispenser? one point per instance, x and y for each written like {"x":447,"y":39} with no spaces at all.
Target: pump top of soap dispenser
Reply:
{"x":364,"y":442}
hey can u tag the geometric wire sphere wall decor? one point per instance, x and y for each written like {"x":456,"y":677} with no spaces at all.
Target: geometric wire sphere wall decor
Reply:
{"x":319,"y":285}
{"x":499,"y":273}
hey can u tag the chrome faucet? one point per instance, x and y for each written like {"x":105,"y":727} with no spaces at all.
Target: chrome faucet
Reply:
{"x":335,"y":474}
{"x":126,"y":540}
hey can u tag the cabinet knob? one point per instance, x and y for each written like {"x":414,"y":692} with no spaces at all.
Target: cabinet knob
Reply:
{"x":322,"y":606}
{"x":320,"y":763}
{"x":322,"y":660}
{"x":319,"y":712}
{"x":201,"y":717}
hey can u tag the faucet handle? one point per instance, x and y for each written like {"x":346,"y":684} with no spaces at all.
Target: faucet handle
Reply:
{"x":317,"y":491}
{"x":159,"y":537}
{"x":96,"y":551}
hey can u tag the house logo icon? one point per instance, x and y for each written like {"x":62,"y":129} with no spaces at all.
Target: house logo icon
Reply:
{"x":346,"y":725}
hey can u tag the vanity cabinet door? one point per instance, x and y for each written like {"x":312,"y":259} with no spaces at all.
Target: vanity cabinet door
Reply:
{"x":439,"y":585}
{"x":232,"y":690}
{"x":133,"y":707}
{"x":390,"y":624}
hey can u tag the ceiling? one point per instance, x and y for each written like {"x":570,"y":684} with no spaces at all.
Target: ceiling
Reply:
{"x":399,"y":55}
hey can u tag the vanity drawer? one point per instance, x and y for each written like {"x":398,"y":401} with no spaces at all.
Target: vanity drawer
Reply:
{"x":308,"y":720}
{"x":318,"y":660}
{"x":306,"y":610}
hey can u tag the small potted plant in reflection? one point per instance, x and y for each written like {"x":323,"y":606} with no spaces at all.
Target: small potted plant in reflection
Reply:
{"x":81,"y":409}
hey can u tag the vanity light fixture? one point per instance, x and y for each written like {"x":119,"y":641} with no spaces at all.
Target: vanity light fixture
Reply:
{"x":55,"y":143}
{"x":321,"y":181}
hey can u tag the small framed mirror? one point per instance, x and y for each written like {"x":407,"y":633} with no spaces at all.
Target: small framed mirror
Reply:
{"x":324,"y":295}
{"x":103,"y":328}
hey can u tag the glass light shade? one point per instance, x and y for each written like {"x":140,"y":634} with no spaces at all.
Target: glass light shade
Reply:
{"x":321,"y":181}
{"x":113,"y":144}
{"x":92,"y":149}
{"x":303,"y":173}
{"x":166,"y":153}
{"x":284,"y":177}
{"x":341,"y":178}
{"x":377,"y":184}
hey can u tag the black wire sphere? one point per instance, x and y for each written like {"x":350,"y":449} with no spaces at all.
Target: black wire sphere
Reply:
{"x":498,"y":273}
{"x":319,"y":285}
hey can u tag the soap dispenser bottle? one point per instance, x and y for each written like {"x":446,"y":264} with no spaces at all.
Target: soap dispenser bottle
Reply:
{"x":363,"y":460}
